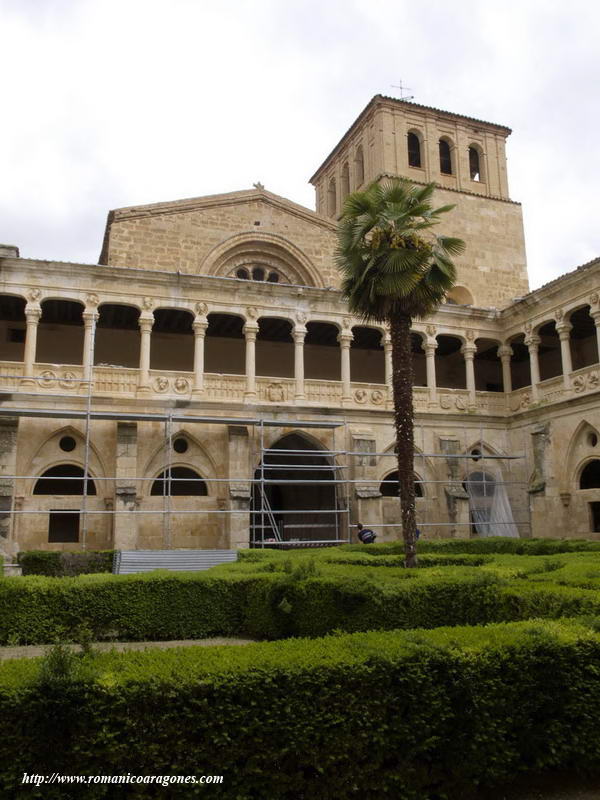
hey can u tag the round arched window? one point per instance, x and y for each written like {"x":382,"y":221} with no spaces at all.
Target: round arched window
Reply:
{"x":243,"y":274}
{"x":179,"y":482}
{"x":590,"y":476}
{"x":389,"y":485}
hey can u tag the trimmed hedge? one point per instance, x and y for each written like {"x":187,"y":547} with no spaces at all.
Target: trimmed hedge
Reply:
{"x":65,"y":564}
{"x":413,"y":715}
{"x":279,"y":598}
{"x":498,"y":544}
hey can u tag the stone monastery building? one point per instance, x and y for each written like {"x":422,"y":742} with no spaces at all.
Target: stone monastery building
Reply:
{"x":204,"y":385}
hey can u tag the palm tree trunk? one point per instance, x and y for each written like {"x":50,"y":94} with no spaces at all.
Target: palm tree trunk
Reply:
{"x":402,"y":384}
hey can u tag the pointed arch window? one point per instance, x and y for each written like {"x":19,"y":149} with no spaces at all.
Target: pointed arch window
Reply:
{"x":414,"y":150}
{"x":445,"y":157}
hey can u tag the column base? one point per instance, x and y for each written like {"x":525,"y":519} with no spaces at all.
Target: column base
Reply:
{"x":198,"y":394}
{"x":26,"y":383}
{"x":143,"y":391}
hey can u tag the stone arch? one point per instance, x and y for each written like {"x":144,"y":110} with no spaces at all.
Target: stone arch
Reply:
{"x":49,"y":480}
{"x":580,"y":450}
{"x":298,"y":511}
{"x":269,"y":249}
{"x":415,"y":150}
{"x":423,"y":465}
{"x":446,"y":156}
{"x":476,"y":162}
{"x":588,"y":474}
{"x":49,"y":454}
{"x":460,"y":296}
{"x":196,"y":457}
{"x":479,"y":449}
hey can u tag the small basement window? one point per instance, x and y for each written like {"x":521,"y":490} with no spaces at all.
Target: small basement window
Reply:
{"x":63,"y":525}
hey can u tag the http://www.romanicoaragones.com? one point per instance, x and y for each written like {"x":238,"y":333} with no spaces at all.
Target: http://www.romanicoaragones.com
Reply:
{"x":160,"y":780}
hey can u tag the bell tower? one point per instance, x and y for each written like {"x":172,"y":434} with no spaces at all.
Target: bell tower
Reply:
{"x":466,"y":158}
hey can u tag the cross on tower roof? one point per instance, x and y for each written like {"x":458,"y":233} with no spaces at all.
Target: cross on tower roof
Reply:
{"x":402,"y":90}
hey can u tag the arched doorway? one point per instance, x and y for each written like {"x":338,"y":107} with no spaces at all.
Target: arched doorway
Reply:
{"x":307,"y":510}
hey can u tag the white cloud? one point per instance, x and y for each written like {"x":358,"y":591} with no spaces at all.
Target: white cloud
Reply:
{"x":116,"y":103}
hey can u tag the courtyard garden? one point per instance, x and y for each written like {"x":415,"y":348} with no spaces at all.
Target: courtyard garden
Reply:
{"x":366,"y":679}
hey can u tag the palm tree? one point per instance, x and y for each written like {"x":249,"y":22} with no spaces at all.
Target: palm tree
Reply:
{"x":393,"y":272}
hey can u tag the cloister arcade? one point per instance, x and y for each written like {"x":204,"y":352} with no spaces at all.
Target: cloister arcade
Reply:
{"x":246,"y":344}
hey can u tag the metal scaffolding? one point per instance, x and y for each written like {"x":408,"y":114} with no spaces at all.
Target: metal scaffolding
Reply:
{"x":268,"y":525}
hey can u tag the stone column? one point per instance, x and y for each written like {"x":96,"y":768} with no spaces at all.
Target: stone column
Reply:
{"x":299,"y":336}
{"x":386,"y":343}
{"x":430,"y":348}
{"x":250,"y":332}
{"x":533,"y":344}
{"x":504,"y":354}
{"x":468,"y":350}
{"x":145,"y":322}
{"x":345,"y":337}
{"x":595,"y":314}
{"x":564,"y":330}
{"x":200,"y":324}
{"x":89,"y":333}
{"x":33,"y":312}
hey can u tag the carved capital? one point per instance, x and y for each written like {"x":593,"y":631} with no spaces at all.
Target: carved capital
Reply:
{"x":92,"y":299}
{"x":148,"y":303}
{"x":532,"y":342}
{"x":89,"y":317}
{"x":505,"y":351}
{"x":345,"y":338}
{"x":201,"y":309}
{"x":301,"y":317}
{"x":33,"y":295}
{"x":251,"y":312}
{"x":564,"y":329}
{"x":250,"y":331}
{"x":146,"y":321}
{"x":33,"y":314}
{"x":299,"y":334}
{"x":199,"y":325}
{"x":468,"y":350}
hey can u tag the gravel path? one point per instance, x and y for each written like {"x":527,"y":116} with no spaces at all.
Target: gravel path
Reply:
{"x":31,"y":651}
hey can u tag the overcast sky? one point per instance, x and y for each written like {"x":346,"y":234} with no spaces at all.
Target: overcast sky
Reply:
{"x":110,"y":103}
